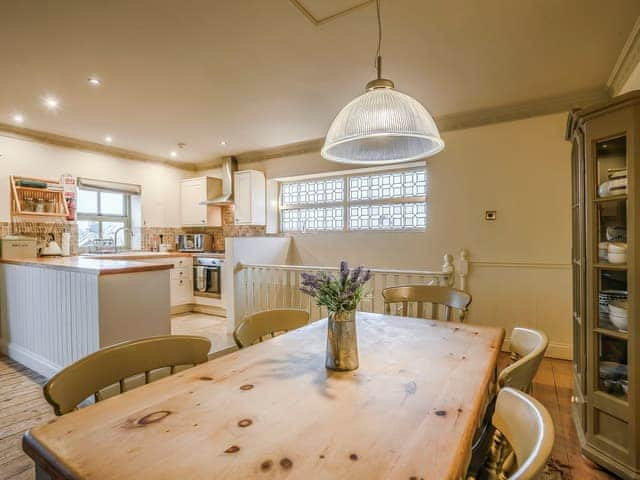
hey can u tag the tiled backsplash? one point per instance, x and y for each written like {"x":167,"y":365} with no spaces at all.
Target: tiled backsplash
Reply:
{"x":148,"y":234}
{"x":41,"y":231}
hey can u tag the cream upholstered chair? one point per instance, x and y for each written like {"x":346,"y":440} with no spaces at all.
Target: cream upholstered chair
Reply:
{"x":527,"y":348}
{"x":114,"y":365}
{"x":263,"y":325}
{"x":523,"y":439}
{"x":448,"y":297}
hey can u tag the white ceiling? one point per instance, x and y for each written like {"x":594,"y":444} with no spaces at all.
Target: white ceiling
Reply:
{"x":258,"y":74}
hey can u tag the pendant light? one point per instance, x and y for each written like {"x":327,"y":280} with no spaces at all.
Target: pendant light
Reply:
{"x":382,"y":126}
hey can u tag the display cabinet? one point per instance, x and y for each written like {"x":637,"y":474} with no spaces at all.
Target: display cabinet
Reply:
{"x":605,"y":204}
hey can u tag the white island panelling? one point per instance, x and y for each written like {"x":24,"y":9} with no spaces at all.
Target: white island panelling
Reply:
{"x":51,"y":317}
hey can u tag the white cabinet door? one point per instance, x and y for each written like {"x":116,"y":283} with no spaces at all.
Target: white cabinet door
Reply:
{"x":242,"y":198}
{"x":193,"y":192}
{"x":249,"y":198}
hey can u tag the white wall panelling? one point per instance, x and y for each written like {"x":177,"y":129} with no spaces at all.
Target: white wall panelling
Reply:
{"x":39,"y":329}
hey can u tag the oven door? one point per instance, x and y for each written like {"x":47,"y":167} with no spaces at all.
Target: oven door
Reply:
{"x":213,"y":280}
{"x":206,"y":279}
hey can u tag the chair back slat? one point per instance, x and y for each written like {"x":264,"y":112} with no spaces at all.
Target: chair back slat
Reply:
{"x":262,"y":326}
{"x":450,"y":298}
{"x":113,"y":365}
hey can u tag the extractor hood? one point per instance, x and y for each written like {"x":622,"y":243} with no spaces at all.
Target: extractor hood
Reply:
{"x":229,"y":165}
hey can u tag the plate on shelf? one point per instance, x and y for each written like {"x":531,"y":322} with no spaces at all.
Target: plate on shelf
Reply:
{"x":613,"y":371}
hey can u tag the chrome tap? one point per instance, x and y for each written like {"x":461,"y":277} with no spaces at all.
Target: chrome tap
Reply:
{"x":115,"y":236}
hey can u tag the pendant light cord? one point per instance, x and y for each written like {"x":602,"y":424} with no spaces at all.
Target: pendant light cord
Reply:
{"x":378,"y":61}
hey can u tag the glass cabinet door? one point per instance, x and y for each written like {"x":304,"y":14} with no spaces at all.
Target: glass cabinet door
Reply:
{"x":611,"y":326}
{"x":578,"y":259}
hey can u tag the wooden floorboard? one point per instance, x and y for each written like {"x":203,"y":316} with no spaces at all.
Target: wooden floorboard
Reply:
{"x":24,"y":406}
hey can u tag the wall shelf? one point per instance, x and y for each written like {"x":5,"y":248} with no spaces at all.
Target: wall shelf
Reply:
{"x":28,"y":201}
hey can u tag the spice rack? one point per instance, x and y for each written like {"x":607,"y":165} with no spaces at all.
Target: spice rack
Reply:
{"x":27,"y":200}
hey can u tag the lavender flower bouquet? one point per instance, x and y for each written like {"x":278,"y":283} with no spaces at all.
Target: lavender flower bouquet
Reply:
{"x":341,"y":296}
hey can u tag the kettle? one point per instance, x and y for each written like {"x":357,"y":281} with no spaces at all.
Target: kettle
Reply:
{"x":52,"y":249}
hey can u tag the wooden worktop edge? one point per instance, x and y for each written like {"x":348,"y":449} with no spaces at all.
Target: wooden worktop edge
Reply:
{"x":137,"y":268}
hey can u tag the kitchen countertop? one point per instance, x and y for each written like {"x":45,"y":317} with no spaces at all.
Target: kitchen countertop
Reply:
{"x":138,"y":255}
{"x":97,"y":266}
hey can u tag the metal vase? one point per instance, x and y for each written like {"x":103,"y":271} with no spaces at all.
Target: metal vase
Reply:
{"x":342,"y":341}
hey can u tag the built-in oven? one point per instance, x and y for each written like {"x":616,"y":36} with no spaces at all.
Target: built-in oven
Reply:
{"x":206,"y":277}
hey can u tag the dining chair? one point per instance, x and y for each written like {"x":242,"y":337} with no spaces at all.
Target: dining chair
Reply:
{"x":527,"y":348}
{"x":114,"y":365}
{"x":523,"y":438}
{"x":264,"y":325}
{"x":436,"y":296}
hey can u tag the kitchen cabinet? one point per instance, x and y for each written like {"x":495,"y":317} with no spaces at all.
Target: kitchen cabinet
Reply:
{"x":180,"y":281}
{"x":606,"y":282}
{"x":195,"y":191}
{"x":249,"y":198}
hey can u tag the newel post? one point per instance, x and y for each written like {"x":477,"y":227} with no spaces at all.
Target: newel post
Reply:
{"x":449,"y":269}
{"x":464,"y":269}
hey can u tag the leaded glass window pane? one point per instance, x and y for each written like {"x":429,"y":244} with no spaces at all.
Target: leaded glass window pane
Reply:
{"x":407,"y":184}
{"x":399,"y":216}
{"x":330,"y":190}
{"x":312,"y":219}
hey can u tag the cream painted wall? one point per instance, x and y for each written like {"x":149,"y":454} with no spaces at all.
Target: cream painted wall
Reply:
{"x":160,"y":183}
{"x":521,"y":169}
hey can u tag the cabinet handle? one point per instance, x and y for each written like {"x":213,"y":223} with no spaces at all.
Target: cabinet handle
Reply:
{"x":181,"y":282}
{"x":181,"y":273}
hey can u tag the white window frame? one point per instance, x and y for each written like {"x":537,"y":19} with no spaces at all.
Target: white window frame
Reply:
{"x":347,"y":202}
{"x":98,"y":217}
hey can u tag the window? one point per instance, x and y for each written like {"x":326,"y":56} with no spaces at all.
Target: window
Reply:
{"x":100,"y":214}
{"x":388,"y":200}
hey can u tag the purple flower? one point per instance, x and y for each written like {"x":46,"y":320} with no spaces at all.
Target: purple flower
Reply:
{"x":355,"y":273}
{"x":344,"y":272}
{"x":338,"y":293}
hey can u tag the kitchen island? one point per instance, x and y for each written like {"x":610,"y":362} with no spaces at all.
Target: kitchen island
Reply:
{"x":54,"y":311}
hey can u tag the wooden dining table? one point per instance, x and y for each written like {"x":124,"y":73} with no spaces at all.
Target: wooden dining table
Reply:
{"x":274,"y":411}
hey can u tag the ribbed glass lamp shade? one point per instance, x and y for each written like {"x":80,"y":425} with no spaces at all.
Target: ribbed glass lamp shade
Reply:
{"x":382,"y":126}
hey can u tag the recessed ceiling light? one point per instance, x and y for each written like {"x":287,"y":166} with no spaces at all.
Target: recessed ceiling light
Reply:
{"x":51,"y":103}
{"x":174,"y":154}
{"x":223,"y":142}
{"x":94,"y":81}
{"x":17,"y":118}
{"x":108,"y":139}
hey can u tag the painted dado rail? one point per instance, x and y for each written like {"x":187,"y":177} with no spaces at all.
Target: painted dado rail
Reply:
{"x":267,"y":287}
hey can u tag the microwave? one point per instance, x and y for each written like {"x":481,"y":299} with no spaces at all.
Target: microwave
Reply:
{"x":194,"y":242}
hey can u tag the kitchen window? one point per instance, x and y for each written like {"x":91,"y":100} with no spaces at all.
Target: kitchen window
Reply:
{"x":103,"y":208}
{"x":381,"y":201}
